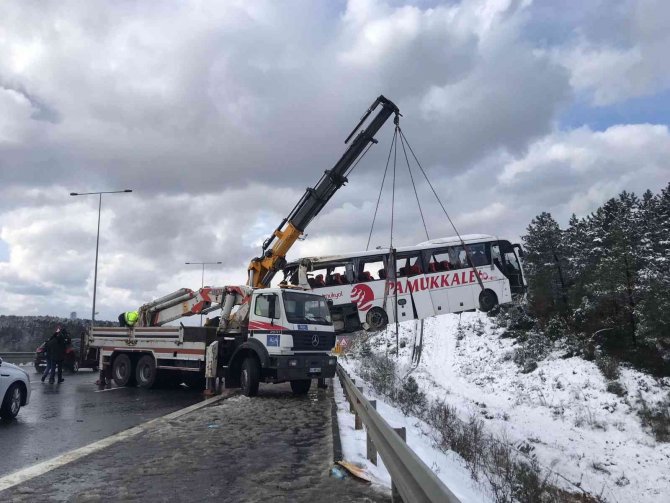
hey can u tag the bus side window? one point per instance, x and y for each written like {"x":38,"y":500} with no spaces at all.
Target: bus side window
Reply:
{"x":337,"y":275}
{"x":414,"y":266}
{"x":495,"y":257}
{"x":369,"y":269}
{"x":478,"y":255}
{"x":409,"y":265}
{"x":438,"y":261}
{"x":457,"y":257}
{"x":318,"y":278}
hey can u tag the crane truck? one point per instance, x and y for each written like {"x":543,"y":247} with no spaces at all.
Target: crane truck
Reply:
{"x":263,"y":334}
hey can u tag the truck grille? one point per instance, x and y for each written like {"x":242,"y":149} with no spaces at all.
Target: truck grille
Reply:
{"x":304,"y":341}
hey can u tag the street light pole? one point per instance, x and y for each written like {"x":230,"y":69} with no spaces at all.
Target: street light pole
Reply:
{"x":97,"y":239}
{"x":202,"y":279}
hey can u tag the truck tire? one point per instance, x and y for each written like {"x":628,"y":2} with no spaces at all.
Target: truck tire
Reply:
{"x":145,"y":371}
{"x":301,"y":387}
{"x":11,"y":402}
{"x":250,"y":376}
{"x":377,"y":319}
{"x":123,"y":372}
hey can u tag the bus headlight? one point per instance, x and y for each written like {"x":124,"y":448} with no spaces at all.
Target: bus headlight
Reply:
{"x":293,"y":363}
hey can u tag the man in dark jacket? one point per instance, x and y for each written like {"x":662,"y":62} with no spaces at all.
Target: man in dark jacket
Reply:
{"x":55,"y":349}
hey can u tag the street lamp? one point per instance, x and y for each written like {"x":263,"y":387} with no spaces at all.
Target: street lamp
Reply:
{"x":97,"y":239}
{"x":202,"y":282}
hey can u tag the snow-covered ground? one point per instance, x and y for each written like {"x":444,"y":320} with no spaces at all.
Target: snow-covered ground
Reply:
{"x":449,"y":467}
{"x":561,"y":410}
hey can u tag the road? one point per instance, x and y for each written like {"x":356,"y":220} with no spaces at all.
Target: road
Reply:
{"x":62,"y":417}
{"x":274,"y":447}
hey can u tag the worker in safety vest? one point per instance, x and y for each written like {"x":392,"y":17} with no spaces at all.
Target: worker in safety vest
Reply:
{"x":128,"y":319}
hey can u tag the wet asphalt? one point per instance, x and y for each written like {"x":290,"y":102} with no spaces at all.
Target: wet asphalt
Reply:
{"x":63,"y":417}
{"x":275,"y":447}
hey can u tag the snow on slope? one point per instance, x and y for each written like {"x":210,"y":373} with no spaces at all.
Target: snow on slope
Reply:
{"x":449,"y":467}
{"x":561,"y":410}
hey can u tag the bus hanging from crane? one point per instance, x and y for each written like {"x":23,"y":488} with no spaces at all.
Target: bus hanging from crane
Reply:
{"x":440,"y":276}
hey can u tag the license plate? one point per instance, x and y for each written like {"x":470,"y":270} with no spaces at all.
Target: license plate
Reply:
{"x":314,"y":370}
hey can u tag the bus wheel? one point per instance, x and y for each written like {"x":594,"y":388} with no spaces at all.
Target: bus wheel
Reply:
{"x":376,"y":319}
{"x":250,"y":377}
{"x":122,"y":371}
{"x":145,"y":371}
{"x":488,"y":300}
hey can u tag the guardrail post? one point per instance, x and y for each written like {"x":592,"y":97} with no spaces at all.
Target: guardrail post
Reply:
{"x":351,"y":399}
{"x":358,"y":422}
{"x":371,"y":450}
{"x":395,"y":495}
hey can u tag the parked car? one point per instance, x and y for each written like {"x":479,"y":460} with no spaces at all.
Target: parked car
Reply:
{"x":14,"y":389}
{"x":74,"y":358}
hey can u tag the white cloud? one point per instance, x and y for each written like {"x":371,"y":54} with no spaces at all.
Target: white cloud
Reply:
{"x":578,"y":170}
{"x":614,"y":70}
{"x":219,"y":114}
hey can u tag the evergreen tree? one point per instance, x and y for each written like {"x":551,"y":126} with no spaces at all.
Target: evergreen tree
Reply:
{"x":653,"y":309}
{"x":544,"y":249}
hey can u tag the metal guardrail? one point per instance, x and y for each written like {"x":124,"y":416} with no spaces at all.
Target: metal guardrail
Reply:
{"x":18,"y":357}
{"x":413,"y":480}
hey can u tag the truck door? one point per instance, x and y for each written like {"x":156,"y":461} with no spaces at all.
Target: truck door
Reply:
{"x":266,"y":323}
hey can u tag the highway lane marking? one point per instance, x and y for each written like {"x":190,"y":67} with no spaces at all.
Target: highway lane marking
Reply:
{"x":25,"y":474}
{"x":108,"y":389}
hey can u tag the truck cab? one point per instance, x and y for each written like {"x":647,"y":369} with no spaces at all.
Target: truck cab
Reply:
{"x":268,"y":335}
{"x":288,"y":337}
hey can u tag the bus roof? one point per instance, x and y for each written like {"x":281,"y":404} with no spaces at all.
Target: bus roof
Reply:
{"x":425,"y":245}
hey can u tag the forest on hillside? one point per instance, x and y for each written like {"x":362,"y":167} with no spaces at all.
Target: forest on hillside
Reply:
{"x":25,"y":333}
{"x":604,"y":281}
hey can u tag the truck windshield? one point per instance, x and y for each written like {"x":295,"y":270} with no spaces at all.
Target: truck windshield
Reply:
{"x":306,"y":308}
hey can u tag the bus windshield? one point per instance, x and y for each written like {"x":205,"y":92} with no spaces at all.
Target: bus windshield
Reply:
{"x":306,"y":308}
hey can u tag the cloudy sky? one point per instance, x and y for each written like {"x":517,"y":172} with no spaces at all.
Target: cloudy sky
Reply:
{"x":218,"y":114}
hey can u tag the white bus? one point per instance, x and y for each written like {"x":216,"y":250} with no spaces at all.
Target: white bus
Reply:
{"x":431,"y":278}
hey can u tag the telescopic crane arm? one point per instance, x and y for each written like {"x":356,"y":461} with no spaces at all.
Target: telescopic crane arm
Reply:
{"x":262,"y":269}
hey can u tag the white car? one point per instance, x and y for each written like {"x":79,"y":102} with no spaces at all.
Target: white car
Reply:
{"x":14,"y":389}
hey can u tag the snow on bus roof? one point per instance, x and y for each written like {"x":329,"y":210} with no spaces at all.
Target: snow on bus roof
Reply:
{"x":450,"y":240}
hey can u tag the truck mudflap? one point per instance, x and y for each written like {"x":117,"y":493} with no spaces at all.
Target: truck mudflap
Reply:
{"x":305,"y":366}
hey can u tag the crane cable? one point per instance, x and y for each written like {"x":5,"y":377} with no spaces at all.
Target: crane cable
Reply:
{"x":467,"y":251}
{"x":395,"y":133}
{"x":416,"y":194}
{"x":393,"y":251}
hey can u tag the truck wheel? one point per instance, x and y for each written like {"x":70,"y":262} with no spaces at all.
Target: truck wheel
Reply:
{"x":376,"y":319}
{"x":301,"y":387}
{"x":250,"y":377}
{"x":11,"y":403}
{"x":122,"y":371}
{"x":487,"y":300}
{"x":145,"y":371}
